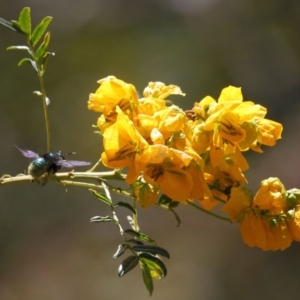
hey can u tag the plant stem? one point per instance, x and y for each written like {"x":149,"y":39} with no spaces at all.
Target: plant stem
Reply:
{"x":40,"y":74}
{"x":46,"y":115}
{"x":208,"y":212}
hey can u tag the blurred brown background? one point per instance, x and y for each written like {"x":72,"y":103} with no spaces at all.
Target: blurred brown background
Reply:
{"x":48,"y":248}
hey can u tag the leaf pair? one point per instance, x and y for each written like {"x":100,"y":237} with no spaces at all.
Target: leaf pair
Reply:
{"x":151,"y":265}
{"x":23,"y":25}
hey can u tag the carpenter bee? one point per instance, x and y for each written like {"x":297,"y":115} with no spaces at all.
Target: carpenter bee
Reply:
{"x":44,"y":166}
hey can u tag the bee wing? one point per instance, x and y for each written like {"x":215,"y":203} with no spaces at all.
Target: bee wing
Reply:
{"x":72,"y":163}
{"x":28,"y":153}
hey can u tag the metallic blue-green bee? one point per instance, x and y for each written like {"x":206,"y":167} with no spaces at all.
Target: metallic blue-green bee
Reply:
{"x":44,"y":166}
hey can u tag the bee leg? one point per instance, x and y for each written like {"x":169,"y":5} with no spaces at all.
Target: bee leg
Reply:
{"x":44,"y":179}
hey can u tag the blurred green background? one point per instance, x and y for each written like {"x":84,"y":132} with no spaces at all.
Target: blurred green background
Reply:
{"x":48,"y":248}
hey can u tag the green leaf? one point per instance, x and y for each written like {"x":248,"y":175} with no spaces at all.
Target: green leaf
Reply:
{"x":157,"y":268}
{"x":42,"y":49}
{"x":140,"y":236}
{"x":120,"y":251}
{"x":44,"y":59}
{"x":99,"y":219}
{"x":25,"y":20}
{"x":28,"y":61}
{"x":102,"y":197}
{"x":164,"y":200}
{"x":147,"y":278}
{"x":14,"y":25}
{"x":127,"y":205}
{"x":151,"y":249}
{"x":174,"y":204}
{"x":127,"y":265}
{"x":136,"y":242}
{"x":39,"y":30}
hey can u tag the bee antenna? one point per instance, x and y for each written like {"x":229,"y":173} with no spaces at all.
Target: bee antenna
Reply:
{"x":70,"y":153}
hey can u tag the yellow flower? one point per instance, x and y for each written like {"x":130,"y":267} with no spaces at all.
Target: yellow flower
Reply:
{"x":149,"y":106}
{"x":113,"y":92}
{"x":257,"y":232}
{"x":268,"y":132}
{"x":294,"y":225}
{"x":231,"y":164}
{"x":271,"y":196}
{"x":160,"y":91}
{"x":123,"y":146}
{"x":170,"y":120}
{"x":240,"y":199}
{"x":145,"y":193}
{"x":198,"y":136}
{"x":232,"y":121}
{"x":200,"y":189}
{"x":163,"y":167}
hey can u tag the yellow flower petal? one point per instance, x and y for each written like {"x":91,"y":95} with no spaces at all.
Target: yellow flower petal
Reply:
{"x":231,"y":93}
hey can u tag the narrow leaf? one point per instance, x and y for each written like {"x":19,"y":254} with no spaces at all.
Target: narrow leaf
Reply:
{"x":25,"y":20}
{"x":13,"y":26}
{"x":128,"y":264}
{"x":121,"y":250}
{"x":42,"y":49}
{"x":47,"y":101}
{"x":17,"y":48}
{"x":99,"y":219}
{"x":126,"y":205}
{"x":44,"y":59}
{"x":157,"y":268}
{"x":140,"y":235}
{"x":20,"y":48}
{"x":151,"y":249}
{"x":39,"y":30}
{"x":102,"y":197}
{"x":147,"y":278}
{"x":28,"y":61}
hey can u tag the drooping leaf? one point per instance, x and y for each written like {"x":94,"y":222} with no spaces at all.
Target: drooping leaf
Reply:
{"x":28,"y":61}
{"x":140,"y":236}
{"x":102,"y":197}
{"x":147,"y":278}
{"x":25,"y":20}
{"x":176,"y":216}
{"x":39,"y":30}
{"x":128,"y":264}
{"x":20,"y":48}
{"x":42,"y":49}
{"x":126,"y":205}
{"x":120,"y":251}
{"x":99,"y":219}
{"x":157,"y":268}
{"x":151,"y":249}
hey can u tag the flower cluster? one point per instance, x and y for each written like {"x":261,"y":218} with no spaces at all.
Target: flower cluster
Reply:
{"x":271,"y":219}
{"x":195,"y":154}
